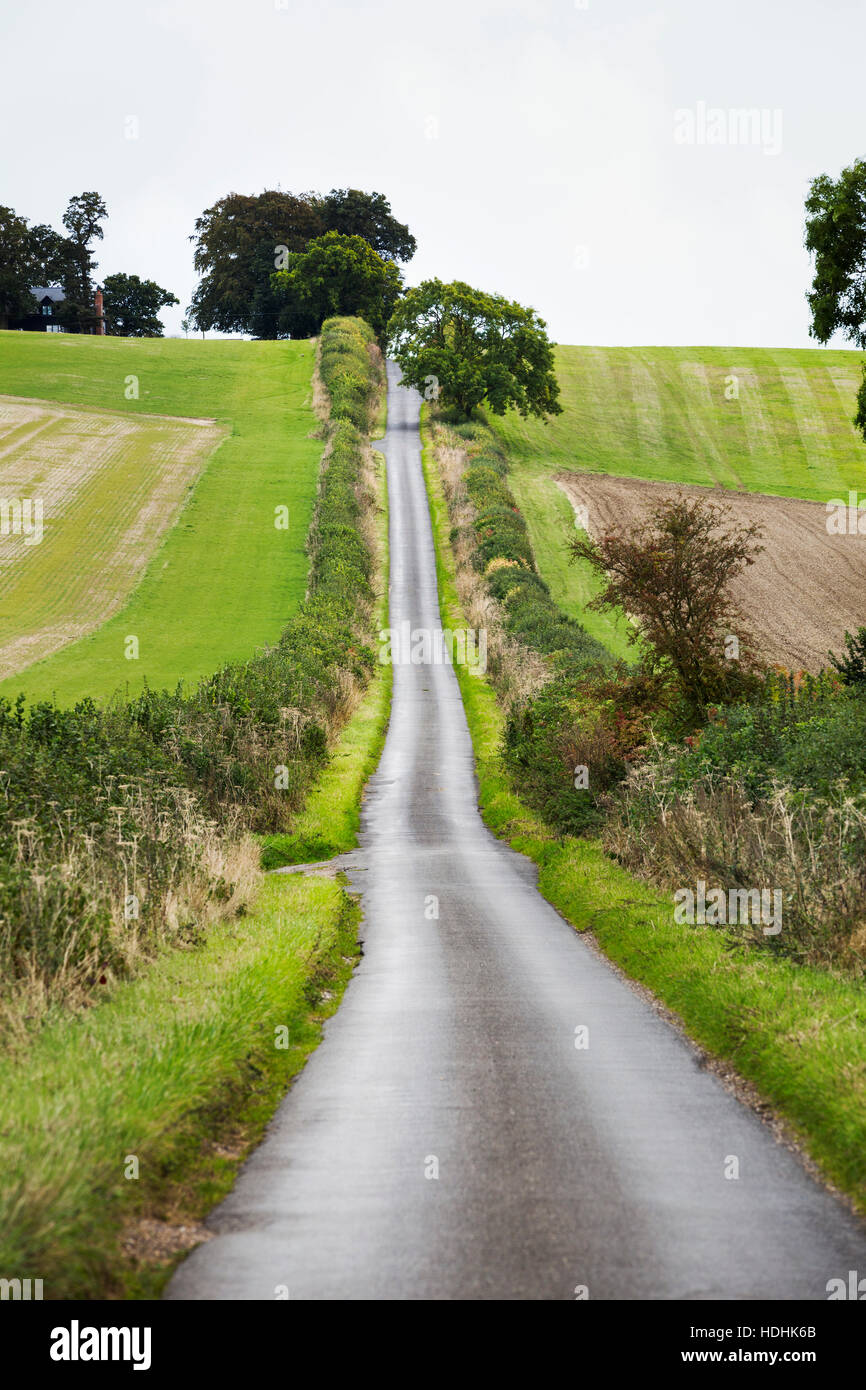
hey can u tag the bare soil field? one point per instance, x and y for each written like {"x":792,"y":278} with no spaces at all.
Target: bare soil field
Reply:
{"x":85,"y":497}
{"x":801,"y":594}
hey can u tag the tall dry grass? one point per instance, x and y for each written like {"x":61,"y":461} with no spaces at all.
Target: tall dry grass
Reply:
{"x":85,"y":907}
{"x":813,"y":850}
{"x":515,"y":670}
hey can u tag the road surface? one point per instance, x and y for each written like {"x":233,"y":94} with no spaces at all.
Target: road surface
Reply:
{"x":448,"y":1139}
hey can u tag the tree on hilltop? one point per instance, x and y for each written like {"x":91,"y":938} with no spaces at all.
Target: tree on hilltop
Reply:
{"x":243,"y":241}
{"x":341,"y":275}
{"x":369,"y":215}
{"x":132,"y":306}
{"x":463,"y":347}
{"x":836,"y":237}
{"x":82,"y":219}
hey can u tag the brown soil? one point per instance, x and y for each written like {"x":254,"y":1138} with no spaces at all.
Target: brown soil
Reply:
{"x":802,"y":593}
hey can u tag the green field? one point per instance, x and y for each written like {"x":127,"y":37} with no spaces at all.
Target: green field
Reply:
{"x":662,"y":413}
{"x":225,"y":580}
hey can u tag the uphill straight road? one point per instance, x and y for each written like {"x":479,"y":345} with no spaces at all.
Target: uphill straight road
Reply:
{"x":448,"y":1139}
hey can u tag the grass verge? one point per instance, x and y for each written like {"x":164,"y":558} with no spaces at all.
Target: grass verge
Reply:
{"x":173,"y":1078}
{"x":797,"y":1034}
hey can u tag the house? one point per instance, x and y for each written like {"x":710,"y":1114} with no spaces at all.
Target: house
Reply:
{"x":43,"y":318}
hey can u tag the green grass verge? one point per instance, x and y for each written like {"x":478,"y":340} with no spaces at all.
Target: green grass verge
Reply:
{"x":179,"y":1069}
{"x":225,"y":580}
{"x":798,"y":1034}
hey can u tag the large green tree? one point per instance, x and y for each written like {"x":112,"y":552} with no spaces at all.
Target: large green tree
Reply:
{"x":51,"y":256}
{"x":836,"y":238}
{"x":463,"y":347}
{"x":339,"y":275}
{"x":16,"y":263}
{"x":132,"y":306}
{"x":82,"y":219}
{"x":239,"y":243}
{"x":368,"y":215}
{"x":244,"y":240}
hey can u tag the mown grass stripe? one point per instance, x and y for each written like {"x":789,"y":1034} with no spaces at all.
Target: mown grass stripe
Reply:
{"x":224,"y":580}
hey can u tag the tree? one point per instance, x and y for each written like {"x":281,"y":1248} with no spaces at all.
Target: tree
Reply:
{"x":341,"y":275}
{"x":242,"y":241}
{"x":673,"y":575}
{"x":50,"y":255}
{"x":836,"y":237}
{"x":132,"y":306}
{"x":239,"y":243}
{"x":368,"y":215}
{"x":465,"y":347}
{"x":82,"y":220}
{"x":16,"y":264}
{"x":272,"y":314}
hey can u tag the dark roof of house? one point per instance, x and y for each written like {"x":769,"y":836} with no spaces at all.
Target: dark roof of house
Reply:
{"x":52,"y":292}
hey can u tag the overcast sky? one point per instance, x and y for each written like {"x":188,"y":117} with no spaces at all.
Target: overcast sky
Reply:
{"x":579,"y":157}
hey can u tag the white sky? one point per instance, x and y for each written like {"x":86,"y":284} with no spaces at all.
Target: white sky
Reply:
{"x":555,"y":132}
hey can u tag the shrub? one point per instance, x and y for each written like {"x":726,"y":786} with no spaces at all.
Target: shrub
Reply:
{"x":852,"y":666}
{"x":769,"y":794}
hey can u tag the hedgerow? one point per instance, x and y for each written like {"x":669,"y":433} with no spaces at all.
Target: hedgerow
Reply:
{"x":549,"y":731}
{"x":129,"y":826}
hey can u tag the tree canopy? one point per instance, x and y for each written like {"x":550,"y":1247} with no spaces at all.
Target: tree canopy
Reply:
{"x":464,"y":347}
{"x":39,"y":255}
{"x":239,"y":243}
{"x":836,"y":237}
{"x":243,"y":241}
{"x":340,"y":276}
{"x":82,"y":219}
{"x":368,"y":215}
{"x":132,"y":306}
{"x":50,"y":252}
{"x":16,"y":264}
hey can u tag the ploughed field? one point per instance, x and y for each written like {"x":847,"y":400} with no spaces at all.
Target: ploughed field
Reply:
{"x":773,"y":422}
{"x":804,"y":591}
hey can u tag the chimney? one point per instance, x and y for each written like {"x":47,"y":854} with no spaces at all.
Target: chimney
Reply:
{"x":97,"y":304}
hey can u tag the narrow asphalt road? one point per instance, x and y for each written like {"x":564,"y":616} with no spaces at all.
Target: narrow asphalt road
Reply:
{"x":448,"y":1139}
